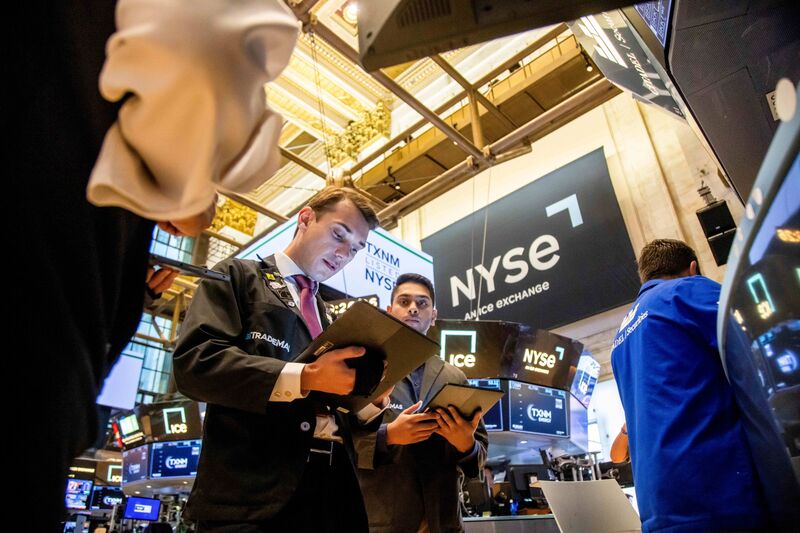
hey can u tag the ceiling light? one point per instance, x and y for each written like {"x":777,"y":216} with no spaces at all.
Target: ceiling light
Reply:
{"x":589,"y":68}
{"x":350,"y":13}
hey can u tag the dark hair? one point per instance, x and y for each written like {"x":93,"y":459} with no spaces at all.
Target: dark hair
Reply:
{"x":326,"y":199}
{"x":665,"y":258}
{"x":414,"y":278}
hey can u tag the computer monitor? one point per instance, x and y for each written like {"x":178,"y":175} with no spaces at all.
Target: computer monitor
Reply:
{"x":106,"y":497}
{"x":492,"y":419}
{"x":174,"y":459}
{"x":585,"y":379}
{"x":523,"y":478}
{"x":78,"y":493}
{"x":538,"y":410}
{"x":142,"y":509}
{"x":135,"y":463}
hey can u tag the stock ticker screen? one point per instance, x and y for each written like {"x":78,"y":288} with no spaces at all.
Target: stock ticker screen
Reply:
{"x":77,"y":495}
{"x":493,"y":418}
{"x":538,"y":410}
{"x":174,"y":459}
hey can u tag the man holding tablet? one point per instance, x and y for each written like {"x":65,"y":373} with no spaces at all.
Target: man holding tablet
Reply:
{"x":409,"y":469}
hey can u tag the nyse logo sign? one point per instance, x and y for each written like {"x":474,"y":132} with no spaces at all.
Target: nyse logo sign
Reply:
{"x":577,"y":262}
{"x":542,"y":362}
{"x":176,"y":424}
{"x":142,"y":508}
{"x":460,"y":360}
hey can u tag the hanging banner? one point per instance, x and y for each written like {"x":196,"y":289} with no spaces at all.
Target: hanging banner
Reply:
{"x":555,"y":251}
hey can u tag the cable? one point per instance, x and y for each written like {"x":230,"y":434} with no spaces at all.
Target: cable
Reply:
{"x":320,"y":103}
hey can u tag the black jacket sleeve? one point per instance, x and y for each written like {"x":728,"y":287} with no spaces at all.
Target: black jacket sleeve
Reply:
{"x":209,"y":365}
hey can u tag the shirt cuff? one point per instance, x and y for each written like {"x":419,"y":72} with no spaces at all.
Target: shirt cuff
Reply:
{"x":287,"y":386}
{"x":371,"y":412}
{"x":472,"y":454}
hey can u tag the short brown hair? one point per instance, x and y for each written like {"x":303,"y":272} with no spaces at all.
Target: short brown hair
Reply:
{"x":327,"y":198}
{"x":665,"y":258}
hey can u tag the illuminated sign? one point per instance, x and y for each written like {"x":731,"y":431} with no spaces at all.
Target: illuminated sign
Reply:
{"x":114,"y":474}
{"x":459,"y":360}
{"x":761,"y":296}
{"x":175,"y":427}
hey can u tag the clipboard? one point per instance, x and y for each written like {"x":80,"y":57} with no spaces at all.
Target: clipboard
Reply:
{"x":188,"y":268}
{"x":384,"y":338}
{"x":465,"y":398}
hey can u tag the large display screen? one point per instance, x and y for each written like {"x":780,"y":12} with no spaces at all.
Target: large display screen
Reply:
{"x":142,"y":509}
{"x":538,"y":410}
{"x":78,"y":492}
{"x":135,"y":464}
{"x":174,"y":459}
{"x":173,"y":420}
{"x":107,"y":497}
{"x":585,"y":379}
{"x":492,"y":419}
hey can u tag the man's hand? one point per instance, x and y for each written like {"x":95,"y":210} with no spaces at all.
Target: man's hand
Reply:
{"x":411,"y":427}
{"x":160,"y":280}
{"x":192,"y":226}
{"x":459,"y":431}
{"x":330,"y":373}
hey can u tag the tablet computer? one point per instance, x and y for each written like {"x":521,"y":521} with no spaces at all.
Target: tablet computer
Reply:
{"x":188,"y":268}
{"x":466,"y":398}
{"x":385,"y":339}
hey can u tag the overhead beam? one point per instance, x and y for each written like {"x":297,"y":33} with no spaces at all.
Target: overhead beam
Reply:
{"x":255,"y":207}
{"x":472,"y":92}
{"x":343,"y":48}
{"x":302,"y":162}
{"x":499,"y":151}
{"x":516,"y":58}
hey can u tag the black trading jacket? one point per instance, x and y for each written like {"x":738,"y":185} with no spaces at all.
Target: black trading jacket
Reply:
{"x":235,"y":341}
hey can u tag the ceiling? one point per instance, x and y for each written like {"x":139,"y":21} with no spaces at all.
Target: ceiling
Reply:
{"x":369,"y":127}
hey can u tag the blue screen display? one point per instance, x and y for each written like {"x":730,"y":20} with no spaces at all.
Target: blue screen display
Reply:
{"x":78,"y":492}
{"x":142,"y":509}
{"x":537,"y":409}
{"x":173,"y":459}
{"x":585,"y":379}
{"x":493,"y":419}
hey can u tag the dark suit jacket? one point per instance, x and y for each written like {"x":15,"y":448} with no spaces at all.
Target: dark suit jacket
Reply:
{"x":407,"y":483}
{"x":236,"y":339}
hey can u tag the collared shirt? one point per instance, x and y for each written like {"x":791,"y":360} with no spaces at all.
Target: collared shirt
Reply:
{"x":684,"y":426}
{"x":288,"y":385}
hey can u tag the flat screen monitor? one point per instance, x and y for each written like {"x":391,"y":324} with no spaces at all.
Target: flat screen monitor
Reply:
{"x":174,"y":459}
{"x":585,"y":379}
{"x":78,"y":493}
{"x":104,"y":497}
{"x":538,"y":410}
{"x":493,"y":419}
{"x":142,"y":509}
{"x":135,"y":464}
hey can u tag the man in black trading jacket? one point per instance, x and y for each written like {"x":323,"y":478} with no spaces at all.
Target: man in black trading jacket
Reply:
{"x":409,"y":469}
{"x":274,"y":458}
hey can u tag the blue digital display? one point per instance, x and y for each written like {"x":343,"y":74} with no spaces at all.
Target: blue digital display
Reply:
{"x":78,"y":492}
{"x":538,"y":410}
{"x":492,"y":419}
{"x":142,"y":509}
{"x":656,"y":15}
{"x":175,"y":459}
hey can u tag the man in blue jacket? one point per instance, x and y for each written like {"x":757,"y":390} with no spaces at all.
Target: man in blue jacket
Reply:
{"x":692,"y":467}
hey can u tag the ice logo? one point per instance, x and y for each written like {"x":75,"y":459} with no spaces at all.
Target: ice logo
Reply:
{"x":174,"y":463}
{"x":787,"y":362}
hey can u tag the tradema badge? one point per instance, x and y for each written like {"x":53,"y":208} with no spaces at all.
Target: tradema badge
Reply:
{"x":279,"y":343}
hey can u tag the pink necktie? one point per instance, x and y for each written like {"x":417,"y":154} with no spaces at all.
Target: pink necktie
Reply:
{"x":308,"y":305}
